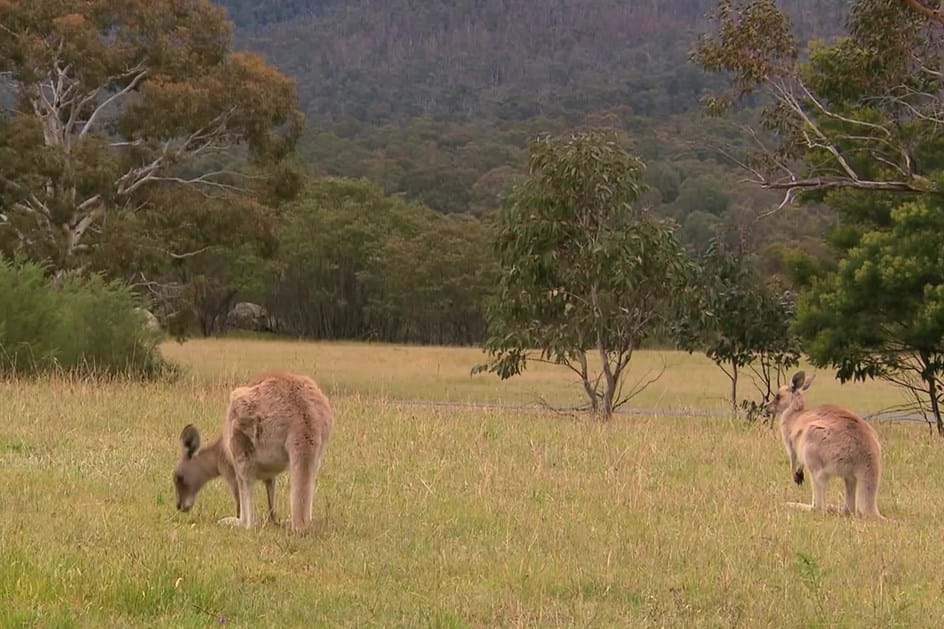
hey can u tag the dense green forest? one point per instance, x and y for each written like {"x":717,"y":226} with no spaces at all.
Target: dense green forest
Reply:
{"x":434,"y":104}
{"x":438,"y":101}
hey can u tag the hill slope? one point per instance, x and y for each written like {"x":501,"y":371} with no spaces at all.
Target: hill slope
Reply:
{"x":437,"y":99}
{"x":383,"y":60}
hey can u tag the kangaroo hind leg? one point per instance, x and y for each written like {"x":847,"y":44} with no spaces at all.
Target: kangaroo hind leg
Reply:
{"x":850,"y":495}
{"x":867,"y":496}
{"x":270,"y":499}
{"x":302,"y":469}
{"x":820,"y":484}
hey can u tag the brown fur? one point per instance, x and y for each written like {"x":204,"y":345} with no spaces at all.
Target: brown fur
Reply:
{"x":830,"y":442}
{"x":279,"y":421}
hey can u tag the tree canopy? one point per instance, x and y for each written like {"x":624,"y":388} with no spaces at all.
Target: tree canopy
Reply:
{"x":881,"y":314}
{"x":739,"y":319}
{"x":582,"y":269}
{"x":860,"y":113}
{"x":355,"y":263}
{"x":855,"y":123}
{"x":114,"y":98}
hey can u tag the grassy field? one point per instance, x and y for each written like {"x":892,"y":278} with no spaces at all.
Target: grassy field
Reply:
{"x":444,"y":374}
{"x":450,"y":516}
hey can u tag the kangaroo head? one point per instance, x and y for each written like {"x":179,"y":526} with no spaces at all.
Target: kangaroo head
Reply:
{"x":791,"y":395}
{"x":192,"y":470}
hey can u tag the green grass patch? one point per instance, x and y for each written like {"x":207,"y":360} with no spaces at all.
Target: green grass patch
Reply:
{"x":449,"y":516}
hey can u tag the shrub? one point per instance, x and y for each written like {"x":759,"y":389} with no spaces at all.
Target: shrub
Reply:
{"x":86,"y":325}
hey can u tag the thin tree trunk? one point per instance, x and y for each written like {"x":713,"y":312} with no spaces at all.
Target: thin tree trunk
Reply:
{"x":930,"y":378}
{"x":610,"y":385}
{"x":587,"y":387}
{"x":206,"y":325}
{"x":935,"y":407}
{"x":734,"y":387}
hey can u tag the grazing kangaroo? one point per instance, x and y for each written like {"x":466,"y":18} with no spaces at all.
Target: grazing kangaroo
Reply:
{"x":279,"y":421}
{"x":829,"y":441}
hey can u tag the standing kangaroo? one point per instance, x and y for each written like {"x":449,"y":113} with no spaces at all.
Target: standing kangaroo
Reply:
{"x":829,"y":441}
{"x":279,"y":421}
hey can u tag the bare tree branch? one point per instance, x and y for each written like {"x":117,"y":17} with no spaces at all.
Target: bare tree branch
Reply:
{"x":202,"y":180}
{"x":138,"y":73}
{"x":184,"y":256}
{"x":932,"y":14}
{"x":640,"y":386}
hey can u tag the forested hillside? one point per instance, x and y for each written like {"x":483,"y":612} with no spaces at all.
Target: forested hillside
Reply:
{"x":194,"y":181}
{"x":437,"y":100}
{"x":378,"y":61}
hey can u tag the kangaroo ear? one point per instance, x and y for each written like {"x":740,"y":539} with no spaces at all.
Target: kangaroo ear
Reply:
{"x":798,"y":379}
{"x":190,"y":440}
{"x":809,"y":383}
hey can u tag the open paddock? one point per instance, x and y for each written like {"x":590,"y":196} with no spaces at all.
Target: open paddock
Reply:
{"x":454,"y":516}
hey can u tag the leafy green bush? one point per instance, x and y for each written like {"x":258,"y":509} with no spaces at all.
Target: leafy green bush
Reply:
{"x":86,"y":325}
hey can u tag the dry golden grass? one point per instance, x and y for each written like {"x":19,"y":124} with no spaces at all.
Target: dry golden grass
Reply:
{"x":451,"y":517}
{"x":440,"y":373}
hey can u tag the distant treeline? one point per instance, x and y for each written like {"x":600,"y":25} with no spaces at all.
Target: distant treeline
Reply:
{"x":353,"y":263}
{"x":343,"y":261}
{"x":347,"y":261}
